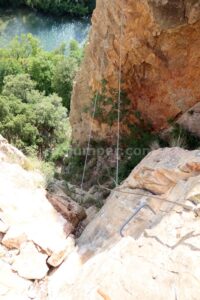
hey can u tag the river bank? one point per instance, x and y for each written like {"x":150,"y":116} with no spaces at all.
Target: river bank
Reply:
{"x":78,"y":8}
{"x":50,"y":30}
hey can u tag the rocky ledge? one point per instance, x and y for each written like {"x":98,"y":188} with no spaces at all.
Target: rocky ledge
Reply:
{"x":158,"y":257}
{"x":34,"y":230}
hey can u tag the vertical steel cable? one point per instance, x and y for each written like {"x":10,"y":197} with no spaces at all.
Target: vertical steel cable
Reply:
{"x":90,"y":132}
{"x":119,"y":98}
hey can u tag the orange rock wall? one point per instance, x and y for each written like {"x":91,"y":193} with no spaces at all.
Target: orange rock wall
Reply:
{"x":160,"y":47}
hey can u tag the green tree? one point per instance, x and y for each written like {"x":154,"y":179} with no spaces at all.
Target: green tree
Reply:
{"x":18,"y":85}
{"x":15,"y":124}
{"x":63,"y":79}
{"x":50,"y":121}
{"x":57,"y":7}
{"x":65,"y":72}
{"x":8,"y":66}
{"x":32,"y":115}
{"x":29,"y":119}
{"x":53,"y":72}
{"x":76,"y":51}
{"x":41,"y":69}
{"x":24,"y":46}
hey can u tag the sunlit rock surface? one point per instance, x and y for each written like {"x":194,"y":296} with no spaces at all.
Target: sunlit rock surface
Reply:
{"x":160,"y":64}
{"x":157,"y":257}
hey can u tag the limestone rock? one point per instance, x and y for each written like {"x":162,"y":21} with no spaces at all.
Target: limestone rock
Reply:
{"x":3,"y":251}
{"x":32,"y":231}
{"x":69,"y":209}
{"x":9,"y":256}
{"x":38,"y":290}
{"x":65,"y":276}
{"x":144,"y":269}
{"x":9,"y":153}
{"x":3,"y":227}
{"x":161,"y":170}
{"x":57,"y":258}
{"x":194,"y":192}
{"x":169,"y":173}
{"x":193,"y":11}
{"x":11,"y":285}
{"x":91,"y":213}
{"x":27,"y":211}
{"x":158,"y":257}
{"x":104,"y":229}
{"x":1,"y":236}
{"x":30,"y":263}
{"x":160,"y":64}
{"x":14,"y":237}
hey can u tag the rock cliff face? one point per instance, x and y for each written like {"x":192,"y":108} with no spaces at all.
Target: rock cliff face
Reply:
{"x":160,"y":58}
{"x":157,"y":257}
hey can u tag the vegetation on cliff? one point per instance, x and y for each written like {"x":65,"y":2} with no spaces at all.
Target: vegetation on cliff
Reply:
{"x":137,"y":139}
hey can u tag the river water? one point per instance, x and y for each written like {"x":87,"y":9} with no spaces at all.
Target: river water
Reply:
{"x":51,"y":31}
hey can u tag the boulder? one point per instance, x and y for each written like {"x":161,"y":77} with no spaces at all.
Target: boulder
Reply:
{"x":32,"y":231}
{"x":27,"y":211}
{"x":58,"y":257}
{"x":162,"y":169}
{"x":14,"y":237}
{"x":30,"y":263}
{"x":69,"y":209}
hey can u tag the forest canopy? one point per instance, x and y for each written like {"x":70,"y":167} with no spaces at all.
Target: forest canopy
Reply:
{"x":35,"y":92}
{"x":56,"y":7}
